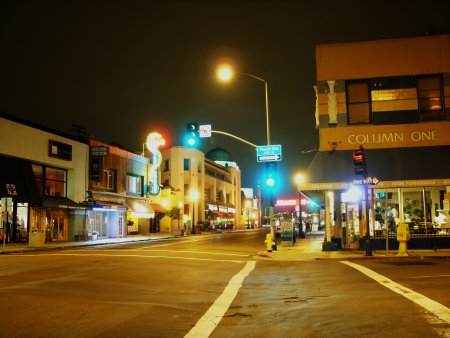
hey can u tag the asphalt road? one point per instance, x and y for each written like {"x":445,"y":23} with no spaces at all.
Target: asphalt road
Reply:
{"x":217,"y":286}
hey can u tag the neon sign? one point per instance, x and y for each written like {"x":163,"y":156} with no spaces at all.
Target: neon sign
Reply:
{"x":154,"y":141}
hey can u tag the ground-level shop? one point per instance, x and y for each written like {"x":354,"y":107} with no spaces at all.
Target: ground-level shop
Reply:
{"x":33,"y":203}
{"x":219,"y":216}
{"x":401,"y":195}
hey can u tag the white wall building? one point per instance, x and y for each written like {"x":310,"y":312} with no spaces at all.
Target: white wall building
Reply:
{"x":211,"y":191}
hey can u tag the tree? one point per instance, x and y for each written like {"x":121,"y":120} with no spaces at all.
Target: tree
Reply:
{"x":174,"y":213}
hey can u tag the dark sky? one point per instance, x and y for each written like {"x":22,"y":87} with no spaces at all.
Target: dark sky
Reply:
{"x":125,"y":68}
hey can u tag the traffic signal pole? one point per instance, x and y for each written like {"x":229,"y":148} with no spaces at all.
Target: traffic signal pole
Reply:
{"x":359,"y":160}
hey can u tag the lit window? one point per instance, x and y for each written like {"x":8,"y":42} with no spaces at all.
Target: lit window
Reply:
{"x":134,"y":184}
{"x":187,"y":164}
{"x":429,"y":95}
{"x":110,"y":179}
{"x":358,"y":102}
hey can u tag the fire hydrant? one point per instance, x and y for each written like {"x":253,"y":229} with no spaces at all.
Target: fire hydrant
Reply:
{"x":268,"y":242}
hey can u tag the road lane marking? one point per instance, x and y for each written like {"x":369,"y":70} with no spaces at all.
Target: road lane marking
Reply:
{"x":131,"y":255}
{"x":161,"y":250}
{"x":209,"y":321}
{"x":435,"y":276}
{"x":434,"y":307}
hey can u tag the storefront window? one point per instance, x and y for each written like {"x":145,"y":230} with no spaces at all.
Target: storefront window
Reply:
{"x":419,"y":207}
{"x":22,"y":221}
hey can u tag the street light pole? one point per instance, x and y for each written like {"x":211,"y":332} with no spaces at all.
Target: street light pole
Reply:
{"x":225,"y":72}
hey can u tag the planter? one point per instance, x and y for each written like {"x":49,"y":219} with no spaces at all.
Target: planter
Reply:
{"x":329,"y":247}
{"x":37,"y":239}
{"x":178,"y":232}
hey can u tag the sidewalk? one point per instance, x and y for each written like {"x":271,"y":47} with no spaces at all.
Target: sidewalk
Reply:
{"x":309,"y":248}
{"x":24,"y":247}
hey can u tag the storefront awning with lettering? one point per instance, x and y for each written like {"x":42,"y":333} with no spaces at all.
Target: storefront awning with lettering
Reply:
{"x":17,"y":181}
{"x":335,"y":170}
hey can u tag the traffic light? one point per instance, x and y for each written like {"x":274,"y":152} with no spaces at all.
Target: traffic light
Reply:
{"x":270,"y":175}
{"x":192,"y":134}
{"x":359,"y":160}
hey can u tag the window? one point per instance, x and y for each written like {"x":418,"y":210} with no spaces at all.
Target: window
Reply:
{"x":166,"y":166}
{"x":358,"y":102}
{"x":134,"y":184}
{"x":110,"y":179}
{"x":51,"y":181}
{"x":38,"y":171}
{"x":187,"y":164}
{"x":429,"y":95}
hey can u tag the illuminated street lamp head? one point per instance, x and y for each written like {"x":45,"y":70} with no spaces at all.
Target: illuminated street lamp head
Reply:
{"x":299,"y":179}
{"x":193,"y":195}
{"x":225,"y":72}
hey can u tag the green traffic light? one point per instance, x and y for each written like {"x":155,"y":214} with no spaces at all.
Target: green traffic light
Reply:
{"x":191,"y":141}
{"x":270,"y":182}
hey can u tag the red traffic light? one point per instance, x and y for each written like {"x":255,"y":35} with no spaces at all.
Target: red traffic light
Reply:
{"x":359,"y":161}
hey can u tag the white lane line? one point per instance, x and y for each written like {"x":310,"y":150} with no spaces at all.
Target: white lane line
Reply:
{"x":435,"y":276}
{"x":133,"y":256}
{"x":161,"y":250}
{"x":206,"y":325}
{"x":434,"y":307}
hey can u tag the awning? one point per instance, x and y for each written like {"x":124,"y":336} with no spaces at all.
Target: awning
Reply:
{"x":140,"y":208}
{"x":158,"y":208}
{"x":393,"y":164}
{"x":60,"y":202}
{"x":108,"y":206}
{"x":17,"y":181}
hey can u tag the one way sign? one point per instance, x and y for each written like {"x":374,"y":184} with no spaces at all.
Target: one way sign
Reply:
{"x":270,"y":153}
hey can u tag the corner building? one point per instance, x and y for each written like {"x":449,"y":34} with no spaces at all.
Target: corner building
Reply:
{"x":215,"y":179}
{"x":392,"y":97}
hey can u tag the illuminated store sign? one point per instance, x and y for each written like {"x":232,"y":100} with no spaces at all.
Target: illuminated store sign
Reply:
{"x":386,"y":136}
{"x":154,"y":141}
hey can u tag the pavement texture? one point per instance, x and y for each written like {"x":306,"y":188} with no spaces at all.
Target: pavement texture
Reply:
{"x":309,"y":248}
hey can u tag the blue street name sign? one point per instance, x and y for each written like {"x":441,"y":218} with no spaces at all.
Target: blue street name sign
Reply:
{"x":270,"y":153}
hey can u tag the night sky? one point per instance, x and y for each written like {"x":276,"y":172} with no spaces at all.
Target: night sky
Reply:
{"x":125,"y":68}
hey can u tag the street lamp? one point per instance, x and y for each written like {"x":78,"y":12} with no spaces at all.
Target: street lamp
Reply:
{"x":225,"y":72}
{"x":193,"y":196}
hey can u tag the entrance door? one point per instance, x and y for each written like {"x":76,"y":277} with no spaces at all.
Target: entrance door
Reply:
{"x":121,"y":226}
{"x":352,"y":232}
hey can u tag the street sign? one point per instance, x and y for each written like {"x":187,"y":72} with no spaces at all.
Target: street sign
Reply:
{"x":270,"y":153}
{"x":99,"y":151}
{"x":204,"y":130}
{"x":367,"y":181}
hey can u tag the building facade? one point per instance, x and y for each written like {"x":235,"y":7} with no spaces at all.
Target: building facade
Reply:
{"x":44,"y":175}
{"x":119,"y":182}
{"x":210,"y":190}
{"x":392,"y":98}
